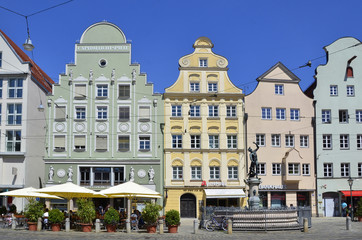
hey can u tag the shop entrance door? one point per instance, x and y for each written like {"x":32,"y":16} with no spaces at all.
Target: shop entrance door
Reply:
{"x":329,"y":207}
{"x":188,"y":206}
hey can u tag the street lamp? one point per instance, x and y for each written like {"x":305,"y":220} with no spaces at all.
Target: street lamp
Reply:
{"x":350,"y":183}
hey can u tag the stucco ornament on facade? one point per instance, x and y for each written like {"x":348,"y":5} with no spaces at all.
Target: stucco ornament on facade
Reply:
{"x":61,"y":173}
{"x":131,"y":174}
{"x":51,"y":174}
{"x":70,"y":174}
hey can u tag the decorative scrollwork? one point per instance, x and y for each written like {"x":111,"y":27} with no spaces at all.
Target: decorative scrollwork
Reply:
{"x":221,"y":63}
{"x":185,"y":62}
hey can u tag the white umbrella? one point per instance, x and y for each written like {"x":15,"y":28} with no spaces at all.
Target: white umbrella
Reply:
{"x":28,"y":193}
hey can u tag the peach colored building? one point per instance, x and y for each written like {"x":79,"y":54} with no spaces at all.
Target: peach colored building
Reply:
{"x":280,"y":121}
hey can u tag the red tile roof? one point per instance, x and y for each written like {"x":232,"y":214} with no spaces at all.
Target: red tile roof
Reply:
{"x":38,"y":75}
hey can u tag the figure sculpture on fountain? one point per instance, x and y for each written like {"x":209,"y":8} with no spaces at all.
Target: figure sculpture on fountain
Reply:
{"x":253,"y":170}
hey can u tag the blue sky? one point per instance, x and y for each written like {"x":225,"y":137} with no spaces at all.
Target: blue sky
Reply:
{"x":252,"y":35}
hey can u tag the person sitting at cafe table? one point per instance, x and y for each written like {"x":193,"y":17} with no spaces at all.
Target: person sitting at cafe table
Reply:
{"x":45,"y":218}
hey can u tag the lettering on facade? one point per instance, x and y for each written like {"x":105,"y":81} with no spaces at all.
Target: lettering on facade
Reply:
{"x":272,"y":187}
{"x":216,"y":184}
{"x":117,"y":48}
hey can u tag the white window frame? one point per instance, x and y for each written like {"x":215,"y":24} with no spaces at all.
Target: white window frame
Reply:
{"x":350,"y":91}
{"x":102,"y":90}
{"x":305,"y":169}
{"x":233,"y":173}
{"x":359,"y":169}
{"x":344,"y":141}
{"x":212,"y":87}
{"x":82,"y":113}
{"x":304,"y":141}
{"x":289,"y":140}
{"x":13,"y":142}
{"x":293,"y":169}
{"x":326,"y":116}
{"x":194,"y":86}
{"x":294,"y":114}
{"x":230,"y":111}
{"x":124,"y":91}
{"x":15,"y":115}
{"x":99,"y":148}
{"x":279,"y":89}
{"x":144,"y":141}
{"x":276,"y":169}
{"x":195,"y":111}
{"x":214,"y":172}
{"x":203,"y":62}
{"x":60,"y":148}
{"x":18,"y":90}
{"x":280,"y":114}
{"x":275,"y":140}
{"x":359,"y":141}
{"x":328,"y":170}
{"x":345,"y":170}
{"x":82,"y":147}
{"x":343,"y":116}
{"x":359,"y":116}
{"x":195,"y":141}
{"x":144,"y":113}
{"x":333,"y":90}
{"x":177,"y":173}
{"x":102,"y":112}
{"x":176,"y":111}
{"x":260,"y":139}
{"x":213,"y":111}
{"x":177,"y":141}
{"x":196,"y":173}
{"x":266,"y":113}
{"x":129,"y":143}
{"x":261,"y":169}
{"x":60,"y":110}
{"x":124,"y":113}
{"x":232,"y":141}
{"x":214,"y":142}
{"x":327,"y":141}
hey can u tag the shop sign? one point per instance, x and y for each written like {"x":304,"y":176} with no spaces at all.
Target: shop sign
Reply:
{"x":214,"y":184}
{"x":272,"y":187}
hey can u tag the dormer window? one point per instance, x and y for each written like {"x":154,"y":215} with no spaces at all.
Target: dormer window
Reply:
{"x":349,"y":72}
{"x":203,"y":62}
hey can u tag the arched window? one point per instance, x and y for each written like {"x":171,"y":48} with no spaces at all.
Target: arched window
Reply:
{"x":349,"y":72}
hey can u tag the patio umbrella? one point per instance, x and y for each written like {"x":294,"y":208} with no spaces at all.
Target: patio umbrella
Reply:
{"x":28,"y":193}
{"x":69,"y":190}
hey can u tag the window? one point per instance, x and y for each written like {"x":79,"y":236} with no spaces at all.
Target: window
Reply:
{"x":145,"y":143}
{"x":177,"y":173}
{"x":194,"y":87}
{"x":14,"y":114}
{"x":327,"y":168}
{"x":293,"y":168}
{"x":84,"y":176}
{"x":306,"y":169}
{"x":144,"y":114}
{"x":327,"y":141}
{"x":344,"y":141}
{"x":275,"y":140}
{"x":101,"y":113}
{"x":79,"y":143}
{"x":333,"y":90}
{"x":1,"y":87}
{"x":359,"y":141}
{"x":326,"y":116}
{"x":80,"y":113}
{"x":260,"y":139}
{"x":277,"y":168}
{"x":195,"y":111}
{"x":102,"y":90}
{"x":15,"y":88}
{"x":195,"y":141}
{"x":359,"y":169}
{"x":289,"y":140}
{"x":59,"y":143}
{"x":195,"y":173}
{"x":344,"y":169}
{"x":359,"y":116}
{"x":350,"y":91}
{"x":343,"y":116}
{"x":123,"y":143}
{"x":212,"y":87}
{"x":124,"y":91}
{"x":213,"y":111}
{"x":60,"y":113}
{"x":101,"y":142}
{"x":280,"y":113}
{"x":176,"y":141}
{"x":80,"y":91}
{"x":261,"y":169}
{"x":233,"y":173}
{"x":1,"y":59}
{"x":124,"y":114}
{"x":176,"y":110}
{"x":13,"y":140}
{"x":214,"y":173}
{"x":349,"y":72}
{"x":118,"y":173}
{"x":294,"y":114}
{"x":203,"y":62}
{"x":230,"y":111}
{"x":304,"y":141}
{"x":213,"y":141}
{"x":232,"y":141}
{"x":266,"y":113}
{"x":102,"y":176}
{"x":279,"y":89}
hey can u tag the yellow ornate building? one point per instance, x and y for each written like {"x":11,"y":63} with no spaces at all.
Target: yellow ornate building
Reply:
{"x":204,"y":135}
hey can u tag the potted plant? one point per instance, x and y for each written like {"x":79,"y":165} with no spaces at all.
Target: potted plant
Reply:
{"x":86,"y":213}
{"x":111,"y":219}
{"x":150,"y":215}
{"x":56,"y":217}
{"x":172,"y":220}
{"x":359,"y":210}
{"x":33,"y":211}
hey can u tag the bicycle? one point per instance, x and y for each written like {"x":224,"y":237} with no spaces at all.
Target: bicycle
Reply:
{"x":211,"y":224}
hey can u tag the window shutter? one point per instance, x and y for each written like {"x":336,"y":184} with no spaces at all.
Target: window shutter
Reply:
{"x":101,"y":142}
{"x":59,"y":112}
{"x":144,"y":113}
{"x":80,"y":91}
{"x":79,"y":140}
{"x":59,"y":142}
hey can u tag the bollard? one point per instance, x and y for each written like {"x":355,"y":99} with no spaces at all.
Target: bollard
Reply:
{"x":348,"y":223}
{"x":128,"y":226}
{"x":305,"y":224}
{"x":230,"y":226}
{"x":13,"y":221}
{"x":98,"y":226}
{"x":196,"y":226}
{"x":160,"y":222}
{"x":39,"y":225}
{"x":67,"y":225}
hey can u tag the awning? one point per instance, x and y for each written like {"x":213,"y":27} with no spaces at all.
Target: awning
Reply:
{"x":224,"y":193}
{"x":354,"y":193}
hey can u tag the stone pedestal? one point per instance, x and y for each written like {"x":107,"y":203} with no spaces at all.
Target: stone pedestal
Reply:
{"x":254,"y":199}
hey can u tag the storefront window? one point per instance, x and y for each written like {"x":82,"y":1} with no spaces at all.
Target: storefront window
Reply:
{"x":102,"y":176}
{"x":303,"y":199}
{"x":263,"y":199}
{"x":277,"y":199}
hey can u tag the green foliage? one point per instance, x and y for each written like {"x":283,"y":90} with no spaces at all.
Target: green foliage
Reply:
{"x":172,"y":217}
{"x":33,"y":210}
{"x":86,"y":210}
{"x":3,"y":210}
{"x":111,"y":217}
{"x":56,"y":216}
{"x":359,"y":208}
{"x":12,"y":208}
{"x":151,"y":213}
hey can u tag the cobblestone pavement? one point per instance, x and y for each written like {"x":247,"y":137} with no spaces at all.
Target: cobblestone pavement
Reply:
{"x":322,"y":228}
